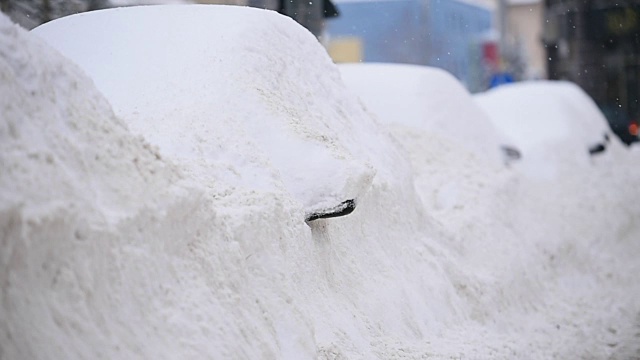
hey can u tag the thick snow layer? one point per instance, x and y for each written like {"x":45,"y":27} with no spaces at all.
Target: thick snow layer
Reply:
{"x":553,"y":123}
{"x":424,"y":98}
{"x":118,"y":245}
{"x":149,"y":63}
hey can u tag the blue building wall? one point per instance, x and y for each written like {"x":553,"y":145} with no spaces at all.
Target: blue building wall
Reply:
{"x":441,"y":33}
{"x":454,"y":32}
{"x":391,"y":31}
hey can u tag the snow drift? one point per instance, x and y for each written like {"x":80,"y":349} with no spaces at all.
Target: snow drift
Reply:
{"x":163,"y":232}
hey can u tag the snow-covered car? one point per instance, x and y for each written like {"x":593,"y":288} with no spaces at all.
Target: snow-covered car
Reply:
{"x":553,"y":123}
{"x":181,"y":96}
{"x":429,"y":99}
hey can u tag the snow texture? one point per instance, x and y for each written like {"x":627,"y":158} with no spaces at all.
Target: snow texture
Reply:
{"x":171,"y":229}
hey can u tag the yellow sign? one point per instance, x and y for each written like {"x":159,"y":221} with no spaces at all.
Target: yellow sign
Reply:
{"x":346,"y":49}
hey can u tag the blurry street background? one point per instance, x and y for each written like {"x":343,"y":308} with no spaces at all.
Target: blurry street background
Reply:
{"x":483,"y":43}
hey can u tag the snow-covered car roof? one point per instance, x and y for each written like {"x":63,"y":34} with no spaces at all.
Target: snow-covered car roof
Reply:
{"x":550,"y":120}
{"x":535,"y":112}
{"x":175,"y":74}
{"x":424,"y":98}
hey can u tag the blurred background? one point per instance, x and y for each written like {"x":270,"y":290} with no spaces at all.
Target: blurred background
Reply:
{"x":483,"y":43}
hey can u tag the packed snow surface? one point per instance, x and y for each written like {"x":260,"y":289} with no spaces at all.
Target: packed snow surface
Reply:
{"x":170,"y":227}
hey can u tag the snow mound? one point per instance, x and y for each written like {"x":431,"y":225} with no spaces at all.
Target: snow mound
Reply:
{"x":56,"y":123}
{"x":553,"y":123}
{"x":424,"y":98}
{"x":71,"y":172}
{"x":174,"y":74}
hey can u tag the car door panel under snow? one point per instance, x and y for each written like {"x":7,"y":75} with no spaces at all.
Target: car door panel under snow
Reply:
{"x":174,"y":73}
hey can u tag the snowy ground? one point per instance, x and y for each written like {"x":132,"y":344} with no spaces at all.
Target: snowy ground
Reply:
{"x":153,"y":196}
